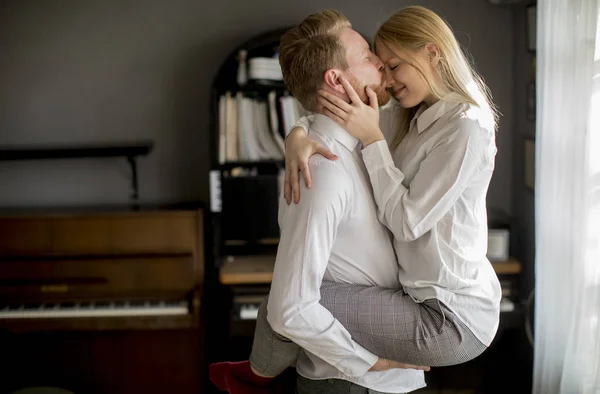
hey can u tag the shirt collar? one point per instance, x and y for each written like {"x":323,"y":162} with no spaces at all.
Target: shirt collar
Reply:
{"x":390,"y":104}
{"x":425,"y":116}
{"x":328,"y":127}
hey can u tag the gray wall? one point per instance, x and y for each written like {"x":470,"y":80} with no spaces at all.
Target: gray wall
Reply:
{"x":523,"y":235}
{"x":74,"y":71}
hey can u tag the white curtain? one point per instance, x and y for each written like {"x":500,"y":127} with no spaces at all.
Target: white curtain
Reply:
{"x":567,"y":197}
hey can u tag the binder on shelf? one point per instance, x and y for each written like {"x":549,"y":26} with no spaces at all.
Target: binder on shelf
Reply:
{"x":291,"y":112}
{"x":250,"y":127}
{"x":265,"y":137}
{"x":248,"y":144}
{"x":231,"y":127}
{"x":222,"y":129}
{"x":274,"y":119}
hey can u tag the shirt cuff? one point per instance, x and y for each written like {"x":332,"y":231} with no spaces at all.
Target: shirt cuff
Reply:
{"x":377,"y":155}
{"x":359,"y":364}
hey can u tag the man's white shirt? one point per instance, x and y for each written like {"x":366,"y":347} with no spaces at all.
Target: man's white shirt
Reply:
{"x":333,"y":234}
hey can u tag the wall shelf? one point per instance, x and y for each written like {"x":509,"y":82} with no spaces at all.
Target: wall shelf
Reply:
{"x":128,"y":150}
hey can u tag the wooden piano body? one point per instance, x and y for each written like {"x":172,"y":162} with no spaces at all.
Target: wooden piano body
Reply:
{"x":105,"y":302}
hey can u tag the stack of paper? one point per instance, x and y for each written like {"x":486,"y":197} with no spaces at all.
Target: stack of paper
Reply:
{"x":265,"y":68}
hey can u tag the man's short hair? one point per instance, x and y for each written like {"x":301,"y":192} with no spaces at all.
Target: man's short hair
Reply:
{"x":310,"y":49}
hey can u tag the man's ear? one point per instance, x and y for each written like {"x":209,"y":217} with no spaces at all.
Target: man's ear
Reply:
{"x":434,"y":54}
{"x":331,"y":78}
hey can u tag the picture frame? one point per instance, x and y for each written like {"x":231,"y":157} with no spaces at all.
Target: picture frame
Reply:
{"x":531,"y":28}
{"x":529,"y":163}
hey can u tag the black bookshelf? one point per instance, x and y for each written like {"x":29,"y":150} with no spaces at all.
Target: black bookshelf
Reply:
{"x":263,"y":166}
{"x":254,"y":88}
{"x":243,"y":210}
{"x":255,"y":190}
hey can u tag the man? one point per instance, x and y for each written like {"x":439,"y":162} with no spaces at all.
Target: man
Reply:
{"x":330,"y":239}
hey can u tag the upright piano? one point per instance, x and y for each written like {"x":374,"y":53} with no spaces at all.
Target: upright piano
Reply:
{"x":102,"y":302}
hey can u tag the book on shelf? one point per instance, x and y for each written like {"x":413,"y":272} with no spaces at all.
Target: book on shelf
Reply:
{"x":254,"y":128}
{"x":292,"y":111}
{"x":274,"y":122}
{"x":231,"y":129}
{"x":222,"y":129}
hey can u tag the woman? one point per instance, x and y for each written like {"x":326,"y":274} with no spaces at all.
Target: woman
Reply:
{"x":430,"y":190}
{"x":431,"y":186}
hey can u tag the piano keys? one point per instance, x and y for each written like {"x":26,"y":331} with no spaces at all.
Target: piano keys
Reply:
{"x":93,"y":309}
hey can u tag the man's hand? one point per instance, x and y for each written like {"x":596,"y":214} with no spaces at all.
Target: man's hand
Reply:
{"x":383,"y":364}
{"x":357,"y":118}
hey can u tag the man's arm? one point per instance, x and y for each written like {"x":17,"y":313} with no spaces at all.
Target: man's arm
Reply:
{"x":308,"y":231}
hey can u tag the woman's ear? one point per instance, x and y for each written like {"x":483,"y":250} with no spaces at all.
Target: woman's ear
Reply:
{"x":434,"y":53}
{"x":331,"y":78}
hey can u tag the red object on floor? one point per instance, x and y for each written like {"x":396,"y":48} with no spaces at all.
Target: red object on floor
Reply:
{"x":238,"y":378}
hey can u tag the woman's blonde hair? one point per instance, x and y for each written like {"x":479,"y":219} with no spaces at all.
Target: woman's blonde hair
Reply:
{"x":409,"y":30}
